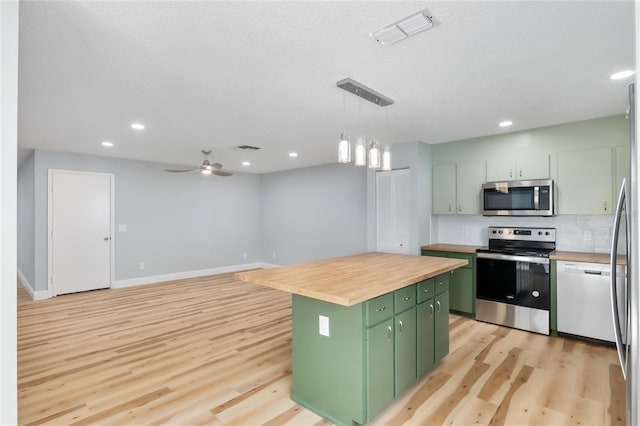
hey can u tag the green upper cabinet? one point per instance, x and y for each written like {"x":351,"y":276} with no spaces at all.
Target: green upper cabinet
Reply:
{"x":585,"y":181}
{"x":456,"y":187}
{"x":444,"y":189}
{"x":522,"y":167}
{"x":622,"y":167}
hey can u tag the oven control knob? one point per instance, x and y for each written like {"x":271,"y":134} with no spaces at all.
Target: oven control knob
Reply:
{"x":535,"y":293}
{"x":546,"y":233}
{"x":500,"y":231}
{"x":494,"y":231}
{"x":539,"y":232}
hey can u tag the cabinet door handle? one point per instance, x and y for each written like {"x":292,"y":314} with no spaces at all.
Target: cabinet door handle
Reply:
{"x":520,"y":172}
{"x":605,"y":206}
{"x":510,"y":173}
{"x":441,"y":283}
{"x":427,"y":290}
{"x":449,"y":207}
{"x":459,"y":207}
{"x":432,"y":310}
{"x":381,"y":309}
{"x":438,"y":305}
{"x":407,"y":298}
{"x":390,"y":332}
{"x":401,"y":325}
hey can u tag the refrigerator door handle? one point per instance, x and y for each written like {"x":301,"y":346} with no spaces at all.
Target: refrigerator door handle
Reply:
{"x":622,"y":355}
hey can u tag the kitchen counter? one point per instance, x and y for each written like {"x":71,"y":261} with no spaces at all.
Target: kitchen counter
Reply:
{"x":458,"y":248}
{"x":581,"y":256}
{"x":370,"y":325}
{"x":350,"y":280}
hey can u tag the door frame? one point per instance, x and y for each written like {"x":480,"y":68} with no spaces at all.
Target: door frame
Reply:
{"x":51,"y":173}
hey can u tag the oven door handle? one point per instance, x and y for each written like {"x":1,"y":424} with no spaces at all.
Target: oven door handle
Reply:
{"x":527,"y":259}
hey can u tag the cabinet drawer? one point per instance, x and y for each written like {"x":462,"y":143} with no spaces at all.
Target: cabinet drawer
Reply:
{"x":404,"y":298}
{"x":468,"y":257}
{"x":379,"y":309}
{"x":426,"y":289}
{"x":442,"y":283}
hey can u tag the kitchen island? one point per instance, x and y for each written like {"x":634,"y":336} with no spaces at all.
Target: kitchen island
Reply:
{"x":365,"y":328}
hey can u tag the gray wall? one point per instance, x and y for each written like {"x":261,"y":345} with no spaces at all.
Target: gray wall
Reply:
{"x":175,"y":222}
{"x":313,"y":213}
{"x":26,"y":220}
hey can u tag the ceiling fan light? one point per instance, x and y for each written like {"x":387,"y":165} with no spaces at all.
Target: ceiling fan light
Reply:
{"x":206,"y":171}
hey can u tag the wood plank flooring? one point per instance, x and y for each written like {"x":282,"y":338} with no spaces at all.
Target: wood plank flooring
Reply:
{"x":213,"y":350}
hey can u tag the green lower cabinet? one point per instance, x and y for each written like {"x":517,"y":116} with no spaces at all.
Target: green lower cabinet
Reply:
{"x":460,"y":297}
{"x":426,"y":340}
{"x":379,"y":375}
{"x":462,"y":285}
{"x":350,"y":363}
{"x":441,"y":326}
{"x":405,"y":350}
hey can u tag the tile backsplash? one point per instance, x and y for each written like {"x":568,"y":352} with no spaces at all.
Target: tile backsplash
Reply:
{"x":573,"y":233}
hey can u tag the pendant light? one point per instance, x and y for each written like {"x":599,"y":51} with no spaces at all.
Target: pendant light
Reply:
{"x":344,"y":146}
{"x":374,"y":154}
{"x":386,"y":158}
{"x":361,"y":152}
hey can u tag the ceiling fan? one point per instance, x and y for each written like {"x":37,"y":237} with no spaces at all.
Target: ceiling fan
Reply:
{"x":206,"y":168}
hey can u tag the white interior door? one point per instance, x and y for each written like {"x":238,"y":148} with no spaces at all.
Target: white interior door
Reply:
{"x":392,"y":211}
{"x":80,"y":224}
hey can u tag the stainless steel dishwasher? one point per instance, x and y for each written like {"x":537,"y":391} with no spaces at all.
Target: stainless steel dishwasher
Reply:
{"x":584,"y":299}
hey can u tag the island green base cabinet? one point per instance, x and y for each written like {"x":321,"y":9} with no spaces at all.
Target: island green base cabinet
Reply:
{"x":462,"y":282}
{"x":350,"y":363}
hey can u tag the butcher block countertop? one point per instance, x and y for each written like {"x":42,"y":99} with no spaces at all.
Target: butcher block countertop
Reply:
{"x":582,"y":256}
{"x":353,"y":279}
{"x":458,"y":248}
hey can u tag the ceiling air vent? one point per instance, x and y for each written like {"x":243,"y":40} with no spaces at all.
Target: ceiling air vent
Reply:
{"x":246,"y":148}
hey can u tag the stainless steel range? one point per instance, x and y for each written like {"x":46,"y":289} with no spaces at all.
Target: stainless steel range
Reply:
{"x":513,"y":280}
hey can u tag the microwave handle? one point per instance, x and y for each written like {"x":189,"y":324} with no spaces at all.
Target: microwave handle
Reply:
{"x":536,"y":198}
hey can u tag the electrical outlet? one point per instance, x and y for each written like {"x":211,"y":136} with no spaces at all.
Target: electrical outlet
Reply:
{"x":141,"y":266}
{"x":586,"y":235}
{"x":244,"y":255}
{"x":323,"y":325}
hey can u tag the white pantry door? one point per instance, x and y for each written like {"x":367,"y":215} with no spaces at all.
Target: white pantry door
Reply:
{"x":392,"y":211}
{"x":80,"y":224}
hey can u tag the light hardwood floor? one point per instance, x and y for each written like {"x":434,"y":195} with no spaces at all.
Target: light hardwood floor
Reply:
{"x":213,"y":350}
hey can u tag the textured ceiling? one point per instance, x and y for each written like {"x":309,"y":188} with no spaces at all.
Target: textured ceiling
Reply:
{"x":220,"y":74}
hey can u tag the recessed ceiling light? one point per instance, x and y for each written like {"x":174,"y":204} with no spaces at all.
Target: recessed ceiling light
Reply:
{"x":137,"y":126}
{"x":107,"y":144}
{"x":505,"y":123}
{"x":246,"y":163}
{"x":293,"y":154}
{"x":621,"y":74}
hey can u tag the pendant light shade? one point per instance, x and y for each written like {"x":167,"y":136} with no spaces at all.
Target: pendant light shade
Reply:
{"x":374,"y":155}
{"x":386,"y":158}
{"x":361,"y":152}
{"x":344,"y":148}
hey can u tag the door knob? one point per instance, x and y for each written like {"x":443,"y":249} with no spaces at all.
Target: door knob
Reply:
{"x":107,"y":238}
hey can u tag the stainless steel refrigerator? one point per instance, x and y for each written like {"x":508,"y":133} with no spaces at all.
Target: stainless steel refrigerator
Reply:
{"x":625,"y":247}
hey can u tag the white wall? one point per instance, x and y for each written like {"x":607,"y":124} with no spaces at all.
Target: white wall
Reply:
{"x":313,"y":213}
{"x":175,"y":222}
{"x":8,"y":158}
{"x":26,"y":220}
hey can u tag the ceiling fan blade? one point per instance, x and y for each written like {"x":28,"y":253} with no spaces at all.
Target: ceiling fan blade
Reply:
{"x":221,"y":173}
{"x":182,"y":171}
{"x":216,"y":166}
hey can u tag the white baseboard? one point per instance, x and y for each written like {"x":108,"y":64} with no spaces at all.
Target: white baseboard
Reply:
{"x":35,"y":295}
{"x":152,"y":279}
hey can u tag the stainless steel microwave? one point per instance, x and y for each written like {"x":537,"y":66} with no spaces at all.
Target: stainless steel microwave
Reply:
{"x":518,"y":198}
